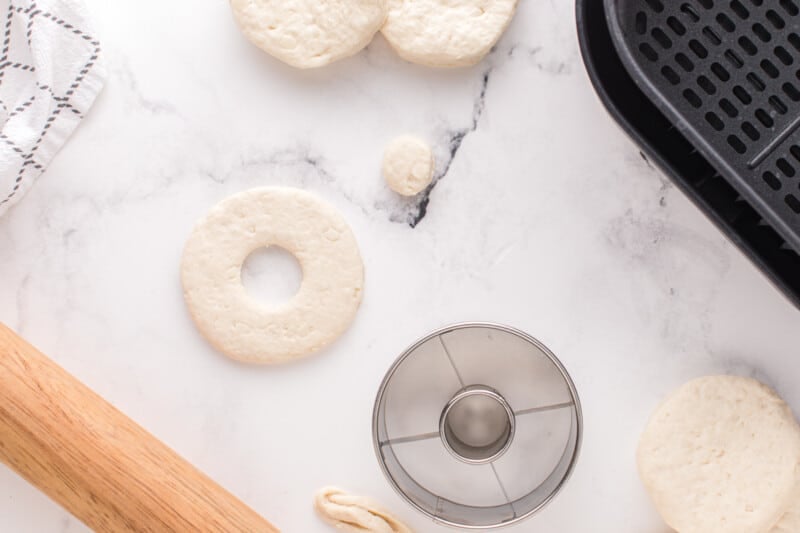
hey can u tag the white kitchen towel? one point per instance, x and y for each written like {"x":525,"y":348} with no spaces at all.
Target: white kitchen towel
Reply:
{"x":50,"y":74}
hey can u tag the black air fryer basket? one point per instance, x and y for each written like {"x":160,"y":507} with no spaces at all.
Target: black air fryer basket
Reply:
{"x":710,"y":89}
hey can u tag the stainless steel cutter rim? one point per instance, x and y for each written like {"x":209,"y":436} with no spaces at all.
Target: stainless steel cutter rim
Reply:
{"x":553,"y":359}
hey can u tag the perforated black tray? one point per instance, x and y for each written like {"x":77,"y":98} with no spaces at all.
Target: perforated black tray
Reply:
{"x":725,"y":73}
{"x":667,"y":146}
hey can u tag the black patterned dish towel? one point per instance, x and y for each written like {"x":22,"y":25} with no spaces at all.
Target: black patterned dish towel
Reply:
{"x":50,"y":74}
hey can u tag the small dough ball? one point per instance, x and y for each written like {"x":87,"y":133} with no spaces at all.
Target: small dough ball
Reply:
{"x":408,"y":165}
{"x":721,"y":455}
{"x":446,"y":33}
{"x":310,"y":33}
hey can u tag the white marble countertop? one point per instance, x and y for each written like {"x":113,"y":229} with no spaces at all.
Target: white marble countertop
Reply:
{"x":545,"y":218}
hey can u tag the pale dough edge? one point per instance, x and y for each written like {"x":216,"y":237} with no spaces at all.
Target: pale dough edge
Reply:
{"x":780,"y":410}
{"x":356,"y":514}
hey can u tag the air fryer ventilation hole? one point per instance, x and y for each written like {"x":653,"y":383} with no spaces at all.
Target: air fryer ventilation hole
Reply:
{"x":732,"y":69}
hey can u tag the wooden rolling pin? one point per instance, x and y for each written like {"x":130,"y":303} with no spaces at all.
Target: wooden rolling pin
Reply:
{"x":96,"y":462}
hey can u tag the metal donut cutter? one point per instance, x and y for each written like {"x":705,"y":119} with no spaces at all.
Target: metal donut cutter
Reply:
{"x":477,"y":425}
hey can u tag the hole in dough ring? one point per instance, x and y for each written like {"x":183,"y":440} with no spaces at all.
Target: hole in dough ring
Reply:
{"x":313,"y":231}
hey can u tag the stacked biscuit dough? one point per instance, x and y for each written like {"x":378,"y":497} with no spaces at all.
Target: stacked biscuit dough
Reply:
{"x":722,"y":455}
{"x":314,"y":33}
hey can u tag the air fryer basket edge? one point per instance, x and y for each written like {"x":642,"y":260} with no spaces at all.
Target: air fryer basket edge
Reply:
{"x":675,"y":156}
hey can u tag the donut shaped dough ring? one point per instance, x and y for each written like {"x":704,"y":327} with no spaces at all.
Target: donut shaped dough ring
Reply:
{"x":314,"y":232}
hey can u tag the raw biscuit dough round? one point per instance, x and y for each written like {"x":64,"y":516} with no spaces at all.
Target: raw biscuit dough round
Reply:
{"x":408,"y":165}
{"x":446,"y":33}
{"x":355,"y":514}
{"x":310,"y":33}
{"x":314,"y":232}
{"x":721,"y":454}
